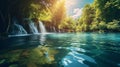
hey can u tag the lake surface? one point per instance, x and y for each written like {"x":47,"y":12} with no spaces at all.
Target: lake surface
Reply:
{"x":61,"y":50}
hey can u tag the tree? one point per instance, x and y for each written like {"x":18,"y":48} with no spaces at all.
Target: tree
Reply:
{"x":108,"y":9}
{"x":87,"y":17}
{"x":96,"y":16}
{"x":113,"y":26}
{"x":23,"y":9}
{"x":68,"y":25}
{"x":58,"y":14}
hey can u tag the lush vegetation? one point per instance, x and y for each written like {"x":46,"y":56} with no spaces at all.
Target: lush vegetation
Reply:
{"x":100,"y":16}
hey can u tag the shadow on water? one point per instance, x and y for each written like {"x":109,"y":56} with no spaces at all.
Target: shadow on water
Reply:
{"x":61,"y":50}
{"x":19,"y":42}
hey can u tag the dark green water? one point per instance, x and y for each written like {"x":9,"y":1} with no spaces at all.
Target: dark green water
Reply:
{"x":61,"y":50}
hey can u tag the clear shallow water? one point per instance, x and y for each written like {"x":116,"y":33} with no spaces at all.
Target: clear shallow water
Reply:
{"x":61,"y":50}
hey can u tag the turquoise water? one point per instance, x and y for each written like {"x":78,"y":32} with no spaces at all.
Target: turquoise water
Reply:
{"x":61,"y":50}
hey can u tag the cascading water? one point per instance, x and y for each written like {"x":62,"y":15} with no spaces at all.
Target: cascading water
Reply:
{"x":43,"y":31}
{"x":54,"y":29}
{"x":42,"y":27}
{"x":33,"y":27}
{"x":18,"y":30}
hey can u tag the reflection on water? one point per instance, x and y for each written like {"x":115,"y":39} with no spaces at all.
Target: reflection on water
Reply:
{"x":76,"y":59}
{"x":61,"y":50}
{"x":32,"y":57}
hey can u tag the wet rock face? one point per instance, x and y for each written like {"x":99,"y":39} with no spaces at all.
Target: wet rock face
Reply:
{"x":26,"y":25}
{"x":35,"y":20}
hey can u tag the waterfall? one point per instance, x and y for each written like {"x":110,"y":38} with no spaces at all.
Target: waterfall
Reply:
{"x":42,"y":27}
{"x":59,"y":31}
{"x":18,"y":29}
{"x":43,"y":31}
{"x":33,"y":27}
{"x":54,"y":29}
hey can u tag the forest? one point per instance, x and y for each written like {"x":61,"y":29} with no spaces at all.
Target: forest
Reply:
{"x":100,"y":16}
{"x":59,"y":33}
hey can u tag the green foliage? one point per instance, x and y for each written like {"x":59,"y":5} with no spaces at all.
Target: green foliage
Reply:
{"x":29,"y":8}
{"x":113,"y":26}
{"x":94,"y":26}
{"x":102,"y":25}
{"x":87,"y":18}
{"x":68,"y":25}
{"x":88,"y":14}
{"x":109,"y":9}
{"x":102,"y":15}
